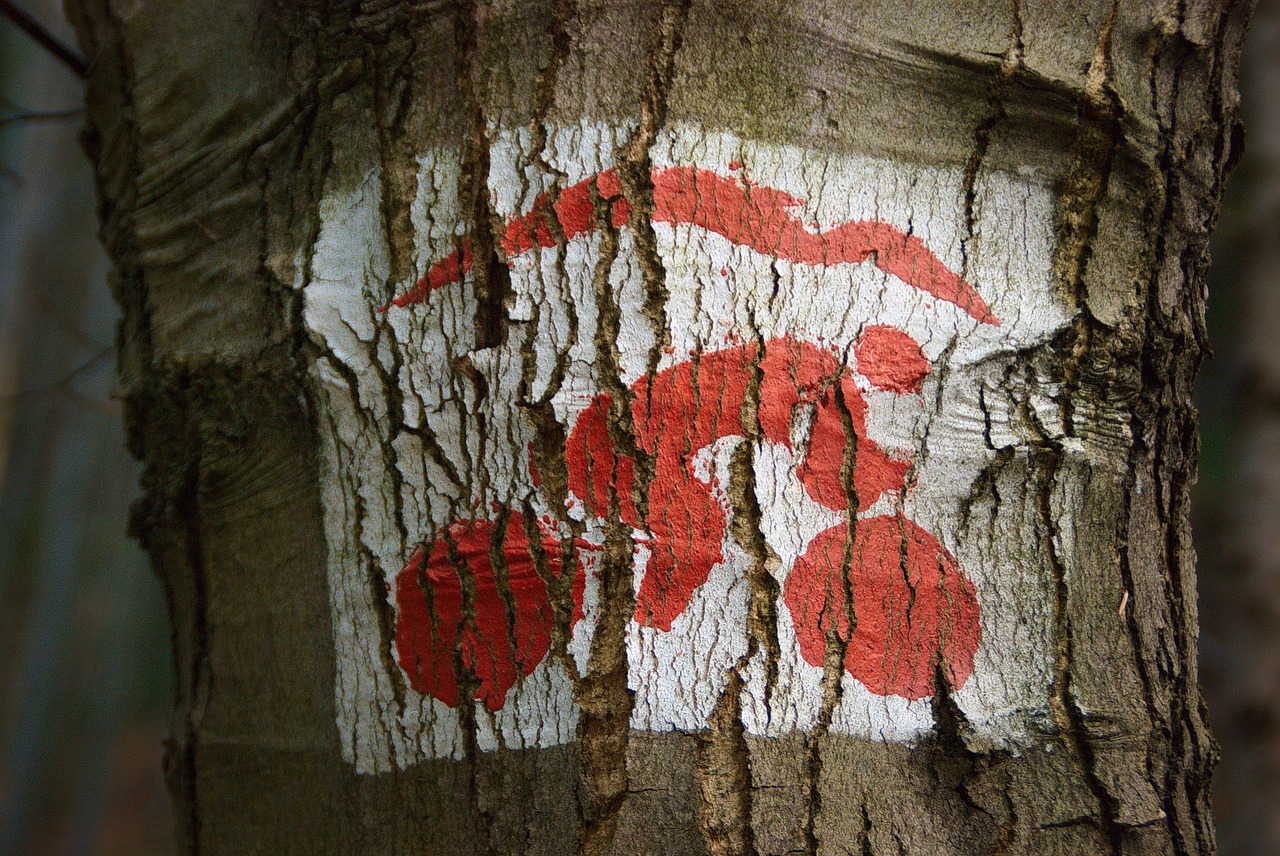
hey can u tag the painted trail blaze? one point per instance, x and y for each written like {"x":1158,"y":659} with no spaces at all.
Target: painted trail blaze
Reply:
{"x":813,"y":417}
{"x":747,"y":214}
{"x":914,"y":612}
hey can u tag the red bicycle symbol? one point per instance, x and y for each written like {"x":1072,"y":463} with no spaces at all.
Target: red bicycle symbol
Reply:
{"x":916,"y":613}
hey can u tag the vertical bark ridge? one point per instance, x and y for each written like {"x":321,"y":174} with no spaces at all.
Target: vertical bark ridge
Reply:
{"x":602,"y":693}
{"x":723,"y":764}
{"x":548,"y":452}
{"x":561,"y":42}
{"x":837,"y":648}
{"x":1010,"y":64}
{"x":723,"y":774}
{"x":490,"y":281}
{"x":746,"y":526}
{"x":1076,"y":220}
{"x":502,"y":581}
{"x":490,"y":272}
{"x":468,"y":683}
{"x":1066,"y":710}
{"x":1087,"y":180}
{"x":1193,"y":50}
{"x":635,"y":169}
{"x":389,"y":60}
{"x":492,"y":284}
{"x":392,"y":108}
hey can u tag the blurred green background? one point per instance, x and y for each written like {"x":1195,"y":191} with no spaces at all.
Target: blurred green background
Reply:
{"x":84,"y":646}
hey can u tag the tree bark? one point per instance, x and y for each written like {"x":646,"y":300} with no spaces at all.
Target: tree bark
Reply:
{"x":670,"y":428}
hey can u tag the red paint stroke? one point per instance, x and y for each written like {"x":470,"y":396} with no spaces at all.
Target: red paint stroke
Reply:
{"x":573,"y":209}
{"x":891,"y":359}
{"x":759,"y":217}
{"x":915,"y":612}
{"x":496,"y":647}
{"x":448,"y":270}
{"x":685,"y":409}
{"x":746,"y":213}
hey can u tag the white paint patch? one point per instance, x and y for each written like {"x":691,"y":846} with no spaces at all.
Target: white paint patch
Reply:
{"x":404,"y":456}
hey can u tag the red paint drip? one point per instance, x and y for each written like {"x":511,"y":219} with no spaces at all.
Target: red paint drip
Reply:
{"x":891,"y":359}
{"x":747,"y":214}
{"x":429,"y":627}
{"x":915,"y":611}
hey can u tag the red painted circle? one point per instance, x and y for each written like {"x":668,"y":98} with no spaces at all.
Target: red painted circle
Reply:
{"x":915,"y":612}
{"x":891,"y":359}
{"x":496,"y":647}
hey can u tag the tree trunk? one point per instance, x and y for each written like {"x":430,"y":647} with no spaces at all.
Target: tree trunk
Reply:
{"x":670,"y":428}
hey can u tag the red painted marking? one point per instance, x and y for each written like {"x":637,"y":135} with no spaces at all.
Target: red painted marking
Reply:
{"x":673,"y":421}
{"x":427,"y":630}
{"x":891,"y":359}
{"x":747,"y":214}
{"x":574,"y":210}
{"x":915,"y":611}
{"x":448,"y":270}
{"x":533,"y":469}
{"x":759,"y":217}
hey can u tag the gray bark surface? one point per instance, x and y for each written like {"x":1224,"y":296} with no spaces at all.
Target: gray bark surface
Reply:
{"x":216,"y":129}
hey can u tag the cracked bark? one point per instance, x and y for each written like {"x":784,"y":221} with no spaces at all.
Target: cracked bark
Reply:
{"x":239,"y":121}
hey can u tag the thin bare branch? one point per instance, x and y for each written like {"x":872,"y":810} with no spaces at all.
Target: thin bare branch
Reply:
{"x":62,"y":382}
{"x":42,"y":116}
{"x":45,"y":39}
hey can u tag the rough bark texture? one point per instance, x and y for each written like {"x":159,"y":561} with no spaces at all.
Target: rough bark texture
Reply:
{"x":220,"y":129}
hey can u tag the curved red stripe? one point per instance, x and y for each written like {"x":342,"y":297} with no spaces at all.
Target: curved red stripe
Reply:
{"x":747,"y":214}
{"x":760,"y":218}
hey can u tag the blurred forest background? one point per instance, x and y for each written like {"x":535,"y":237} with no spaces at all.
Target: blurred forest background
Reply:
{"x":84,"y":645}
